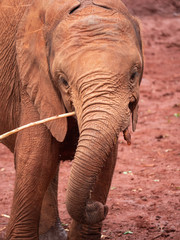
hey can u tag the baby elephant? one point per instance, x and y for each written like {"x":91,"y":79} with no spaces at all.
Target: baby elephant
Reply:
{"x":58,"y":56}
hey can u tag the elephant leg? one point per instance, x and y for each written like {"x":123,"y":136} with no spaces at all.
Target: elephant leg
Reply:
{"x":50,"y":227}
{"x":36,"y":158}
{"x":100,"y":192}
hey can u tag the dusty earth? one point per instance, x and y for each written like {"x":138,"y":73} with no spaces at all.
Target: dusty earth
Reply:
{"x":144,"y":200}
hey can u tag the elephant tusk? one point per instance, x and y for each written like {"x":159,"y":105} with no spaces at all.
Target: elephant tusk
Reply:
{"x":7,"y":134}
{"x":127,"y":136}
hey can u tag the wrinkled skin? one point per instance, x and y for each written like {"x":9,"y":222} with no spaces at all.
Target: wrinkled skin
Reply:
{"x":58,"y":56}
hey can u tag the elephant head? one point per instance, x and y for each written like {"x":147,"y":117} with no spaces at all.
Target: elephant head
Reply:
{"x":84,"y":56}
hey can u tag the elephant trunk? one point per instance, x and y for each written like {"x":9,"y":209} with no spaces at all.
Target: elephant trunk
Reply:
{"x":98,"y":135}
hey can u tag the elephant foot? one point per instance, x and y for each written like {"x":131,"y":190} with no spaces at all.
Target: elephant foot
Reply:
{"x":54,"y":233}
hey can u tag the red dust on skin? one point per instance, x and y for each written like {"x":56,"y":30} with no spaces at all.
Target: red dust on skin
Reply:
{"x":144,"y":197}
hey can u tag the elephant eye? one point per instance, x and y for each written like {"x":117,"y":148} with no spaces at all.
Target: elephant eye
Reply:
{"x":63,"y":81}
{"x":133,"y":76}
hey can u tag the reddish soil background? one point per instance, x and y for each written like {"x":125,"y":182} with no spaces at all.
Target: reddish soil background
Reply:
{"x":144,"y":200}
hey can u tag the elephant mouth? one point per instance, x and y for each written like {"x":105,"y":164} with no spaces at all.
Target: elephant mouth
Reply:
{"x":127,"y":136}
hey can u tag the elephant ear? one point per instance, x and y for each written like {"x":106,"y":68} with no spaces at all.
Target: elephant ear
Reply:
{"x":135,"y":117}
{"x":140,"y":45}
{"x":32,"y":58}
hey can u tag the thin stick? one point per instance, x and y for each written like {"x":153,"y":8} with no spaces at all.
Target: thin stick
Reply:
{"x":5,"y":135}
{"x":5,"y":215}
{"x":2,"y":229}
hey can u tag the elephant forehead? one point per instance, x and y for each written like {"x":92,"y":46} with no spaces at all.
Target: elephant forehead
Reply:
{"x":92,"y":28}
{"x":97,"y":21}
{"x":95,"y":35}
{"x":109,"y":60}
{"x":100,"y":35}
{"x":90,"y":20}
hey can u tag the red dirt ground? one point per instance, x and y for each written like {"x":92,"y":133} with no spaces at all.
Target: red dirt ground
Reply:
{"x":144,"y":200}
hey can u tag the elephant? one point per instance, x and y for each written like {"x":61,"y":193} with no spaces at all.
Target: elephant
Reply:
{"x":58,"y":56}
